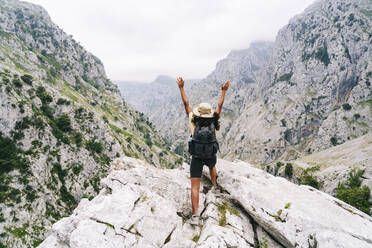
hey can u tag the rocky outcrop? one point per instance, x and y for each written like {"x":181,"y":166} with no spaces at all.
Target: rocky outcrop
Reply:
{"x":141,"y":206}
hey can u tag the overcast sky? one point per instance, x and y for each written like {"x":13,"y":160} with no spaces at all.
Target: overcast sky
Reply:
{"x":140,"y":39}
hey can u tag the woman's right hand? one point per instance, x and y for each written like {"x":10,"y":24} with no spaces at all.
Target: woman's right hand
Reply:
{"x":225,"y":86}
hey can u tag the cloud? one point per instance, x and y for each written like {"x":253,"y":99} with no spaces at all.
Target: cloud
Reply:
{"x":138,"y":40}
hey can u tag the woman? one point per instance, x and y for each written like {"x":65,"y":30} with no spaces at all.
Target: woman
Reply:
{"x":202,"y":115}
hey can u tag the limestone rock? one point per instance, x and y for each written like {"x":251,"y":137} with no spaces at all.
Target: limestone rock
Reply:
{"x":142,"y":206}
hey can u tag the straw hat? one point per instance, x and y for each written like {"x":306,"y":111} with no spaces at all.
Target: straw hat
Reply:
{"x":203,"y":110}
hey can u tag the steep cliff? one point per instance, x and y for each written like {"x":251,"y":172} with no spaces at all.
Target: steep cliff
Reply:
{"x":315,"y":92}
{"x":61,"y":123}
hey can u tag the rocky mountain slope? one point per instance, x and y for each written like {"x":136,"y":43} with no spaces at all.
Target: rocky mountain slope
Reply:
{"x":316,"y":91}
{"x":334,"y":165}
{"x":308,"y":91}
{"x":61,"y":123}
{"x":249,"y":212}
{"x":343,"y":171}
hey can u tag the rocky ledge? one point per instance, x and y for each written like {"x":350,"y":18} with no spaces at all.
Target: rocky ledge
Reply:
{"x":142,"y":206}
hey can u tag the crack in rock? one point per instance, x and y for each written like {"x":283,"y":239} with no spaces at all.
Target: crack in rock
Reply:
{"x":253,"y":223}
{"x":135,"y":203}
{"x":169,"y":236}
{"x":313,"y":243}
{"x":115,"y":179}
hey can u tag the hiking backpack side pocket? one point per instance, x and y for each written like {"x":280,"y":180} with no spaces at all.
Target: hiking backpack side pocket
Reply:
{"x":191,"y":146}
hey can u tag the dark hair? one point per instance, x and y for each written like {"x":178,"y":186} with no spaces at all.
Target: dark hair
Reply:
{"x":203,"y":121}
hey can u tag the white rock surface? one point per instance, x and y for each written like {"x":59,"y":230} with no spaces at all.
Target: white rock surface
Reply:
{"x":142,"y":206}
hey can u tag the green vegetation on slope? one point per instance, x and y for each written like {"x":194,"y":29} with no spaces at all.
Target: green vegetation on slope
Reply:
{"x":353,"y":193}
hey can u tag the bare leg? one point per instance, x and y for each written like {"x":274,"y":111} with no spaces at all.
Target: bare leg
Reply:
{"x":213,"y":172}
{"x":195,"y":185}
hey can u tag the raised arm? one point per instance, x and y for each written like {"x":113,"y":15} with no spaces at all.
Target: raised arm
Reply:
{"x":180,"y":83}
{"x":224,"y":88}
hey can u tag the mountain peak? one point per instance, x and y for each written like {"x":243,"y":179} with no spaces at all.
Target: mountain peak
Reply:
{"x":164,"y":79}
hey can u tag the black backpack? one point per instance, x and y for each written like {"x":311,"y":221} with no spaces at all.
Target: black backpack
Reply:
{"x":204,"y":143}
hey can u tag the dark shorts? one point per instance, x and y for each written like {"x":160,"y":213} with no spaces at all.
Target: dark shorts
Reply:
{"x":196,"y":167}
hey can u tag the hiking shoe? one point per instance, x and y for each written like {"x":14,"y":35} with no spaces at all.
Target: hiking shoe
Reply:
{"x":194,"y":220}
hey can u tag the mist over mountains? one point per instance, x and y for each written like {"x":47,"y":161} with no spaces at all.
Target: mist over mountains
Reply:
{"x":152,"y":98}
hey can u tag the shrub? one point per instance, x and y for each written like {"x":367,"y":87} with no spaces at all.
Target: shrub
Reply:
{"x":57,"y":168}
{"x":43,"y":95}
{"x":27,"y":79}
{"x":307,"y":177}
{"x":67,"y":197}
{"x":278,"y":165}
{"x":346,"y":106}
{"x":354,"y":178}
{"x":311,"y":181}
{"x":288,"y":170}
{"x":62,"y":101}
{"x":30,"y":193}
{"x":23,"y":124}
{"x":352,"y":193}
{"x":95,"y":181}
{"x":285,"y":77}
{"x":78,"y":139}
{"x":17,"y":135}
{"x":38,"y":123}
{"x":2,"y":219}
{"x":333,"y":141}
{"x":59,"y":135}
{"x":284,"y":123}
{"x":322,"y":55}
{"x":105,"y":119}
{"x":80,"y":113}
{"x":47,"y":110}
{"x":17,"y":83}
{"x":356,"y":116}
{"x":63,"y":122}
{"x":14,"y":195}
{"x":10,"y":158}
{"x":357,"y":197}
{"x":104,"y":160}
{"x":94,"y":146}
{"x":148,"y":141}
{"x":77,"y":168}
